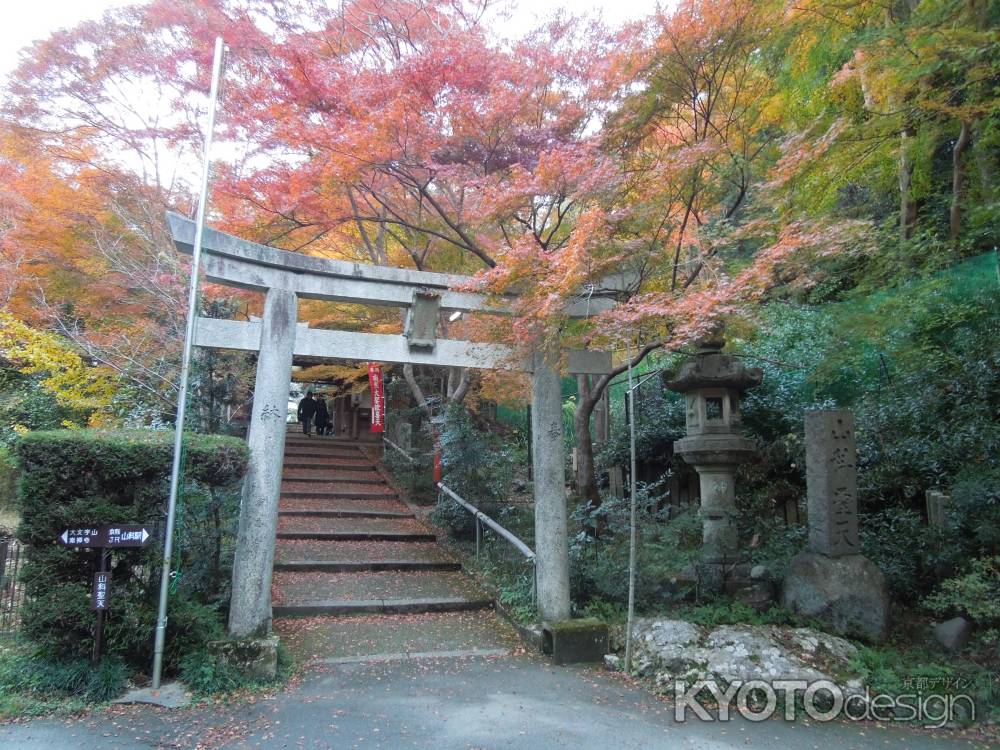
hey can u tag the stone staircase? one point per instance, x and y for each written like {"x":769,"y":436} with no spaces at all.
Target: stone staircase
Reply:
{"x":348,"y":545}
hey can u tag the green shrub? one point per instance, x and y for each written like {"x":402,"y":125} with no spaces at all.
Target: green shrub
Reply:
{"x":476,"y":465}
{"x":975,"y":515}
{"x":613,"y":613}
{"x":8,"y":477}
{"x":91,"y":477}
{"x":38,"y":676}
{"x":975,"y":594}
{"x":901,"y":671}
{"x":599,"y":566}
{"x":206,"y":674}
{"x":729,"y":612}
{"x":910,"y":553}
{"x":779,"y":544}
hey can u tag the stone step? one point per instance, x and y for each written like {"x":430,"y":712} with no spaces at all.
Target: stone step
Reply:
{"x":336,"y":488}
{"x":306,"y":505}
{"x":338,"y":464}
{"x":339,"y":638}
{"x":355,"y":566}
{"x":340,"y":513}
{"x":315,"y":593}
{"x":297,"y":435}
{"x":350,"y":536}
{"x":323,"y":476}
{"x":289,"y":550}
{"x":410,"y":525}
{"x":379,"y":606}
{"x":326,"y":494}
{"x":296,"y":453}
{"x":319,"y":443}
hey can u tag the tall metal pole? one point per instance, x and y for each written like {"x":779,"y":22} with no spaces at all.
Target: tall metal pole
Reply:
{"x":632,"y":531}
{"x":192,"y":314}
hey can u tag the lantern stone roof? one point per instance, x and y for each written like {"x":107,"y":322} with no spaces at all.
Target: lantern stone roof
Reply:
{"x":710,"y":368}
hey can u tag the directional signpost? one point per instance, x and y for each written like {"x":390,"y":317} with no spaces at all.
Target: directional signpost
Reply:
{"x":122,"y":535}
{"x":104,"y":538}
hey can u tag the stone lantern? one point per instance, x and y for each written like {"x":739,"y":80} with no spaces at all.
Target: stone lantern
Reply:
{"x":712,"y":383}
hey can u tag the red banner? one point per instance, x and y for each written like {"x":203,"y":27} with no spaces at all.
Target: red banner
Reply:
{"x":378,"y":397}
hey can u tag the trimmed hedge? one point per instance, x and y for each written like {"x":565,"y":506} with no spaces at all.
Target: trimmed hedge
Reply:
{"x":95,"y":477}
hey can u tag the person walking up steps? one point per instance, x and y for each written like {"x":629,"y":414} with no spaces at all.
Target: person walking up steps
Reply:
{"x":307,"y":410}
{"x":322,"y":417}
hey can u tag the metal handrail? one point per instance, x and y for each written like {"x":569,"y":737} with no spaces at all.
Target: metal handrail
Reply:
{"x":482,"y":518}
{"x":406,"y":455}
{"x":524,"y":549}
{"x":520,"y":546}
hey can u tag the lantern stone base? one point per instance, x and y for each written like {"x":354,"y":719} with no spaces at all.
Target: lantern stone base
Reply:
{"x":849,"y":593}
{"x":253,"y":658}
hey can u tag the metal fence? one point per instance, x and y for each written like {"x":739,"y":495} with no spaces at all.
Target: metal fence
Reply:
{"x":12,"y":555}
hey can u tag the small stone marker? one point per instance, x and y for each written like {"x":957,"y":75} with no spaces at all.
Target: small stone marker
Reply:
{"x":937,"y":507}
{"x":832,"y":483}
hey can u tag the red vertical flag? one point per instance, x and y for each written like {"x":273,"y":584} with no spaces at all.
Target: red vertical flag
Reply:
{"x":378,"y":397}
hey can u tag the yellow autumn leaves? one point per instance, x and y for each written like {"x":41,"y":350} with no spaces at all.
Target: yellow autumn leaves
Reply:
{"x":73,"y":382}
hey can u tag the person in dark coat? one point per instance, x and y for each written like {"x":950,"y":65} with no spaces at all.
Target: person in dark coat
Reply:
{"x":307,"y":410}
{"x":322,"y":417}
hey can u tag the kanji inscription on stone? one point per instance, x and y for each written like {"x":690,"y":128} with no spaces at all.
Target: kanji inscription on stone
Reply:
{"x":270,"y":411}
{"x":832,"y":483}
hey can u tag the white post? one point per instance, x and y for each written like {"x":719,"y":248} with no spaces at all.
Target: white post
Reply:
{"x":192,"y":316}
{"x":250,"y":608}
{"x":548,"y":462}
{"x":632,"y":531}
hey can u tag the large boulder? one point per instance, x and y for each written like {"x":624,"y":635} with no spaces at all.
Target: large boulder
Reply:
{"x":669,"y":650}
{"x":848,"y":593}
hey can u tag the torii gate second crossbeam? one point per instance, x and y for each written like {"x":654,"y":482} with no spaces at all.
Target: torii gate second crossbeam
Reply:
{"x":284,"y":277}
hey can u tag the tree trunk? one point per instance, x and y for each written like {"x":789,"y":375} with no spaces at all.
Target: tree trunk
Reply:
{"x":590,"y":394}
{"x":458,"y":383}
{"x":601,"y":421}
{"x":907,"y":206}
{"x":416,"y":390}
{"x":958,"y":179}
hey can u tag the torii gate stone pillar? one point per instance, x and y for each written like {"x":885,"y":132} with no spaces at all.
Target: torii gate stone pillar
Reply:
{"x":250,"y":608}
{"x":549,"y":467}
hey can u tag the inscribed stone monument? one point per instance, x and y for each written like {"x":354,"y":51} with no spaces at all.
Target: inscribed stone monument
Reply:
{"x":832,"y":580}
{"x":832,"y":483}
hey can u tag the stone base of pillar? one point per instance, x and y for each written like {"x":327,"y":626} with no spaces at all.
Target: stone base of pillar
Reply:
{"x":252,"y":658}
{"x":575,"y":641}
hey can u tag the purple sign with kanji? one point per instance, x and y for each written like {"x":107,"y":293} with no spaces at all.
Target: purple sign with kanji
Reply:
{"x":101,"y":592}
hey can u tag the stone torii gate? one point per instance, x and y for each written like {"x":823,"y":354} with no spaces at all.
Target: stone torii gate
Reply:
{"x":284,"y":277}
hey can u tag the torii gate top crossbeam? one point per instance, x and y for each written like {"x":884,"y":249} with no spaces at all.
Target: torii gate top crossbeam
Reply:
{"x":232,"y":261}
